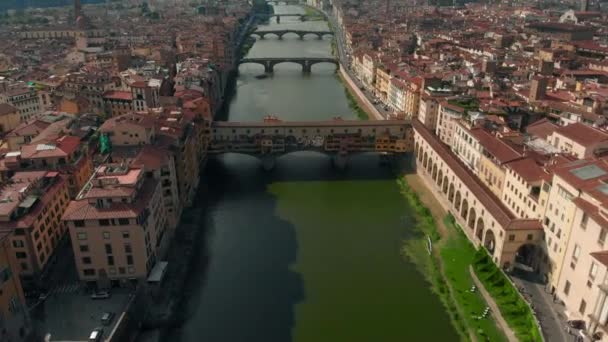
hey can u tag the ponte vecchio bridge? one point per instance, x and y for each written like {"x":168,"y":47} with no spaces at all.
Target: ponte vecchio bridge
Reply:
{"x":273,"y":138}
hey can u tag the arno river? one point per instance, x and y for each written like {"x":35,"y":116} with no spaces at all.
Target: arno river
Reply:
{"x":304,"y":252}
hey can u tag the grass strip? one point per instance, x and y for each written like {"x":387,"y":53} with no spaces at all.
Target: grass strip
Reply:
{"x":447,"y":270}
{"x":513,"y":307}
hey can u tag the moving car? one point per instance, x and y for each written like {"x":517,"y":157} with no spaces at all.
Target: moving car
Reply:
{"x":96,"y":335}
{"x":107,"y":318}
{"x":100,"y":295}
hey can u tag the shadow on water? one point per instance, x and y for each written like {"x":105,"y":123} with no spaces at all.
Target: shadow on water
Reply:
{"x":242,"y":287}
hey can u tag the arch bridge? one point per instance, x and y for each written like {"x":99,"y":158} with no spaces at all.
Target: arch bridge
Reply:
{"x":305,"y":62}
{"x":300,"y":33}
{"x":283,"y":2}
{"x":338,"y":138}
{"x":300,"y":16}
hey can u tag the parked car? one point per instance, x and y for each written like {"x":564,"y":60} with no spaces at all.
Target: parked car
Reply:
{"x":101,"y":295}
{"x":96,"y":335}
{"x":43,"y":296}
{"x":107,"y":318}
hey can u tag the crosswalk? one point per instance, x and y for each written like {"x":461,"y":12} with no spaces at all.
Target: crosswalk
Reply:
{"x":65,"y":288}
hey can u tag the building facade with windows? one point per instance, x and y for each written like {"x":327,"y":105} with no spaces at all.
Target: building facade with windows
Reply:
{"x":31,"y":205}
{"x":117,"y":225}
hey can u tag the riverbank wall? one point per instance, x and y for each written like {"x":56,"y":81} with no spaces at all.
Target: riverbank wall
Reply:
{"x":362,"y":100}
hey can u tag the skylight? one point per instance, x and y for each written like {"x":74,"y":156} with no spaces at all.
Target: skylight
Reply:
{"x":588,"y":172}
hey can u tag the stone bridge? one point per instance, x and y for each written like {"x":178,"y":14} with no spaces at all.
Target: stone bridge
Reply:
{"x":300,"y":16}
{"x":272,"y":138}
{"x":305,"y":62}
{"x":300,"y":33}
{"x":283,"y":2}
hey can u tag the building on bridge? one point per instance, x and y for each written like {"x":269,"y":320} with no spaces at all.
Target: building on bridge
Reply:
{"x":338,"y":138}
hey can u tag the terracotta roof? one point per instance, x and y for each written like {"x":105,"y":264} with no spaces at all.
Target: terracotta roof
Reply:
{"x":119,"y":95}
{"x":583,"y":134}
{"x":495,"y":146}
{"x":82,"y":210}
{"x":501,"y":214}
{"x":542,"y":128}
{"x":528,"y":169}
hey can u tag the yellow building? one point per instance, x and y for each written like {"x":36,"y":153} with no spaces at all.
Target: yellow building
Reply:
{"x":383,"y":78}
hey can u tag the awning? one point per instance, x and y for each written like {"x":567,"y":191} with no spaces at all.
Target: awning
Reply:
{"x":158,"y":272}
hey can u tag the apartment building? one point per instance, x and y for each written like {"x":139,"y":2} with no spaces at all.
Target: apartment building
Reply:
{"x":523,"y":180}
{"x":449,"y":114}
{"x":117,"y":225}
{"x":396,"y":94}
{"x":25,"y":99}
{"x":412,"y":96}
{"x":31,"y":205}
{"x":428,"y":112}
{"x":14,"y":324}
{"x":66,"y":154}
{"x":580,"y":276}
{"x":90,"y":86}
{"x":383,"y":78}
{"x":146,"y":95}
{"x":579,"y":140}
{"x":118,"y":102}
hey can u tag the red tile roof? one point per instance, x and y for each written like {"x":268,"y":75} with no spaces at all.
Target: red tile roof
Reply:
{"x":495,"y":146}
{"x":583,"y":134}
{"x":542,"y":128}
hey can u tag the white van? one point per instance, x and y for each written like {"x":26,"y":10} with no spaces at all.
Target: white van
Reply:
{"x":95,"y":335}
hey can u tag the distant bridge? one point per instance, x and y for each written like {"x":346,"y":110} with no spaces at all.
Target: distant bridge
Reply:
{"x":272,"y":138}
{"x":283,"y":2}
{"x":300,"y":33}
{"x":305,"y":62}
{"x":300,"y":16}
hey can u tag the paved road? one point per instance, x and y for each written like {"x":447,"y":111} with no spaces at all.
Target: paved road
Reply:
{"x":344,"y":56}
{"x":550,"y":315}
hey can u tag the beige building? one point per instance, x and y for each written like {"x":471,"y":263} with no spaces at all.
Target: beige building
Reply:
{"x":521,"y":193}
{"x":446,"y":124}
{"x":117,"y":225}
{"x":25,"y":99}
{"x":31,"y":207}
{"x":485,"y":220}
{"x":581,"y":279}
{"x":579,"y":140}
{"x":383,"y":78}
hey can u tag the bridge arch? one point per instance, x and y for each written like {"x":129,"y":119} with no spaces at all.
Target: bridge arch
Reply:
{"x":334,"y":62}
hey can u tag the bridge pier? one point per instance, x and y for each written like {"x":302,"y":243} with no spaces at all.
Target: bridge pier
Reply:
{"x":306,"y":67}
{"x":268,"y":68}
{"x":268,"y":162}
